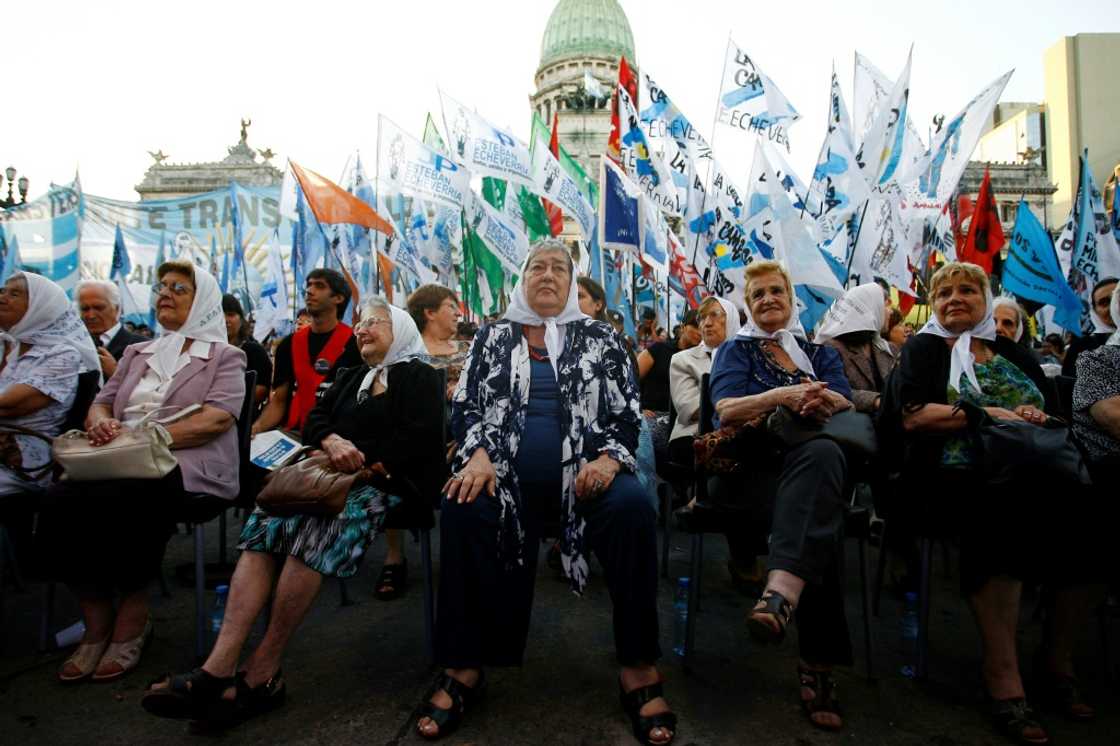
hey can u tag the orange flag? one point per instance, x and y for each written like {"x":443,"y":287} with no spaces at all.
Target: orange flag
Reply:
{"x":332,"y":204}
{"x":387,"y":267}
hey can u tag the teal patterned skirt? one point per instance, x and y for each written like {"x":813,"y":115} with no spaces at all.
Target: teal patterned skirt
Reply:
{"x":329,"y":546}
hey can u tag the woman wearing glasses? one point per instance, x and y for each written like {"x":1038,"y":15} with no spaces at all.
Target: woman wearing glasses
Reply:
{"x":383,"y":416}
{"x":107,"y":538}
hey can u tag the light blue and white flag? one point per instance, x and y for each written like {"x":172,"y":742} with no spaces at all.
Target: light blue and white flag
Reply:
{"x":881,"y":153}
{"x":273,"y":308}
{"x":592,"y":87}
{"x":485,"y":150}
{"x":119,"y":272}
{"x":12,"y":262}
{"x":1032,"y":270}
{"x":645,"y":166}
{"x":48,"y":229}
{"x":872,"y":90}
{"x":837,"y":188}
{"x":554,"y":183}
{"x":749,"y":101}
{"x":1087,"y":246}
{"x":408,"y":166}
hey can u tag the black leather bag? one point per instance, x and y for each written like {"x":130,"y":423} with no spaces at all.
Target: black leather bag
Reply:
{"x":1013,"y":451}
{"x":853,"y":431}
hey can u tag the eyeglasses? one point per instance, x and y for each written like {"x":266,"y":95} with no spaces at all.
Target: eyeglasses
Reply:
{"x":177,"y":288}
{"x":366,"y":324}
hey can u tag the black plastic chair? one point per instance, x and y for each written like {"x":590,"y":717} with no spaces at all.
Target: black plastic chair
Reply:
{"x":699,"y":522}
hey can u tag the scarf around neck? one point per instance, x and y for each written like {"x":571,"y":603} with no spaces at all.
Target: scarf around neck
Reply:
{"x":786,"y":337}
{"x":731,"y":321}
{"x":520,"y":312}
{"x":961,"y":359}
{"x":407,"y":345}
{"x":205,"y":323}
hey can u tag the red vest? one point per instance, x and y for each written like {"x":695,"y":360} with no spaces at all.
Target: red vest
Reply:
{"x":307,"y":378}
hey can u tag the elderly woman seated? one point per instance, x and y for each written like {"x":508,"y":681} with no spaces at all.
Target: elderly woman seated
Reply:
{"x":853,"y":326}
{"x":546,"y":417}
{"x":45,"y":347}
{"x":384,"y":416}
{"x":796,"y":493}
{"x":1007,"y":535}
{"x":107,"y":538}
{"x":1096,"y":403}
{"x":1103,"y":325}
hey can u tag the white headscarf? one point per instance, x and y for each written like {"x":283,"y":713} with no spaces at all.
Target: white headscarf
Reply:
{"x":205,"y":323}
{"x":861,"y":309}
{"x":961,"y":359}
{"x":407,"y":344}
{"x":50,"y":320}
{"x":731,"y":319}
{"x":1102,"y":325}
{"x":786,"y":337}
{"x":1013,"y":304}
{"x":1114,"y":309}
{"x":520,"y":312}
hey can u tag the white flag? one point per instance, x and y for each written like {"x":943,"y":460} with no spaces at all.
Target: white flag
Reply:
{"x":881,"y":153}
{"x":642,"y":164}
{"x":272,"y":312}
{"x":837,"y":188}
{"x":483,"y":148}
{"x":749,"y":101}
{"x":555,"y":184}
{"x":411,"y":168}
{"x":883,"y":245}
{"x":505,"y":241}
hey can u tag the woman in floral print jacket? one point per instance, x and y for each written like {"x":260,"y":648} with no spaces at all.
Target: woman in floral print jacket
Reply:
{"x":546,"y":415}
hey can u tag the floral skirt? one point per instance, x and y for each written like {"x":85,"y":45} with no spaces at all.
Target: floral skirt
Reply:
{"x":329,"y":546}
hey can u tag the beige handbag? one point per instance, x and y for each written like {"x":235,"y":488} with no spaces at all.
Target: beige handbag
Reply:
{"x":139,"y":452}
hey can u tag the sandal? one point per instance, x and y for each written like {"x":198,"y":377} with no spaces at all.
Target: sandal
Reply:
{"x":249,"y":702}
{"x":774,"y":605}
{"x":85,"y":659}
{"x":643,"y":725}
{"x":1059,"y":692}
{"x":824,"y":700}
{"x":1014,"y":717}
{"x":191,"y":696}
{"x":462,"y":697}
{"x":125,"y":655}
{"x":391,"y":581}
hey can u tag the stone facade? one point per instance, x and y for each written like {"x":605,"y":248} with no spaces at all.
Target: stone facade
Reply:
{"x":1010,"y":182}
{"x":172,"y":180}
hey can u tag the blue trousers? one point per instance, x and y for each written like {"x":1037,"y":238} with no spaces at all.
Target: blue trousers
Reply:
{"x":485,"y":607}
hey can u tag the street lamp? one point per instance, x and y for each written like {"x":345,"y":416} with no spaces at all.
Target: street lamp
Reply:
{"x":21,"y":184}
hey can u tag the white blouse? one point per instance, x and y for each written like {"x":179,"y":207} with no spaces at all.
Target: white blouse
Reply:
{"x":151,"y":390}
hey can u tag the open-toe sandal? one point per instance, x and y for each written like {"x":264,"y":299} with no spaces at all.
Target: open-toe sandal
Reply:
{"x":85,"y":659}
{"x":191,"y":696}
{"x":1059,"y":693}
{"x":824,"y":700}
{"x":643,"y":725}
{"x":124,"y":655}
{"x":1014,"y":718}
{"x":776,"y":607}
{"x":391,"y":581}
{"x":462,"y":697}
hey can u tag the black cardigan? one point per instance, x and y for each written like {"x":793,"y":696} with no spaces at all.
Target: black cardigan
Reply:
{"x":922,"y":377}
{"x":402,"y":428}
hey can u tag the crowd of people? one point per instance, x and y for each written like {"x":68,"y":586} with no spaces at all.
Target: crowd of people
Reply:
{"x":533,"y":426}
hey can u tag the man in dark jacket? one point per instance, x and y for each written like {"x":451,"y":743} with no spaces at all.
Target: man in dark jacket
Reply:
{"x":99,"y":303}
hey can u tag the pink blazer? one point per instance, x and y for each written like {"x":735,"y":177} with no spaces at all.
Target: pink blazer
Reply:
{"x":218,"y":381}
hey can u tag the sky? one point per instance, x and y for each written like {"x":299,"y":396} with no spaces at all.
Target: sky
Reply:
{"x":94,"y":86}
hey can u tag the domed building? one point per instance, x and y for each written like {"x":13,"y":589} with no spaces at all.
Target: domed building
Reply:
{"x":583,"y":38}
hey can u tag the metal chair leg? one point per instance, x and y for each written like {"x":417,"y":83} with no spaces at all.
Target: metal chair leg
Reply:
{"x":693,"y":600}
{"x":921,"y":672}
{"x":46,"y":617}
{"x":666,"y":529}
{"x":222,"y":539}
{"x":865,"y":598}
{"x":698,"y":571}
{"x":429,"y":595}
{"x":201,"y":635}
{"x":880,"y":570}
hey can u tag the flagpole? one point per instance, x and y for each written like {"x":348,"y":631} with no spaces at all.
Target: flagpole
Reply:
{"x":855,"y":244}
{"x":711,"y":150}
{"x":377,"y":193}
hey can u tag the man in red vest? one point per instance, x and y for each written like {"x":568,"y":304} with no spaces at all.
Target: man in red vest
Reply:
{"x":307,"y":360}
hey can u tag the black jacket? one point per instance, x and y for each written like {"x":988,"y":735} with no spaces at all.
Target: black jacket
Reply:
{"x":402,"y":429}
{"x":122,"y":339}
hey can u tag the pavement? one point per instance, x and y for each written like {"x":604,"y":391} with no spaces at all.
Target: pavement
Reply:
{"x":355,"y":673}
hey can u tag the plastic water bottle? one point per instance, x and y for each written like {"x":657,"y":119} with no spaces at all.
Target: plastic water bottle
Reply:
{"x":219,"y":611}
{"x":680,"y":618}
{"x":908,"y":624}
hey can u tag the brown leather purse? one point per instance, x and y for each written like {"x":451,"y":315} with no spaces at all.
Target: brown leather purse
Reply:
{"x":309,"y":487}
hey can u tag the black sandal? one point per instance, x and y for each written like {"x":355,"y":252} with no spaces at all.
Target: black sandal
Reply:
{"x":632,"y":704}
{"x":249,"y":702}
{"x":191,"y":696}
{"x":1013,"y":717}
{"x":462,"y":696}
{"x":823,"y":687}
{"x":394,"y":578}
{"x":775,"y":605}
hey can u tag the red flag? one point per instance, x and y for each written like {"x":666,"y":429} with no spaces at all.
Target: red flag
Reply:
{"x":555,"y":214}
{"x":985,"y":234}
{"x":683,"y":277}
{"x":905,"y":303}
{"x":961,"y":210}
{"x":332,"y":204}
{"x":629,"y":81}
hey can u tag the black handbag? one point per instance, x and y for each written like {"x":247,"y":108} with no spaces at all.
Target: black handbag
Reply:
{"x":853,"y":431}
{"x":1010,"y":450}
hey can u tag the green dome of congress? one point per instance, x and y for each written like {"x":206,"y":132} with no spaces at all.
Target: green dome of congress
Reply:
{"x":580,"y":28}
